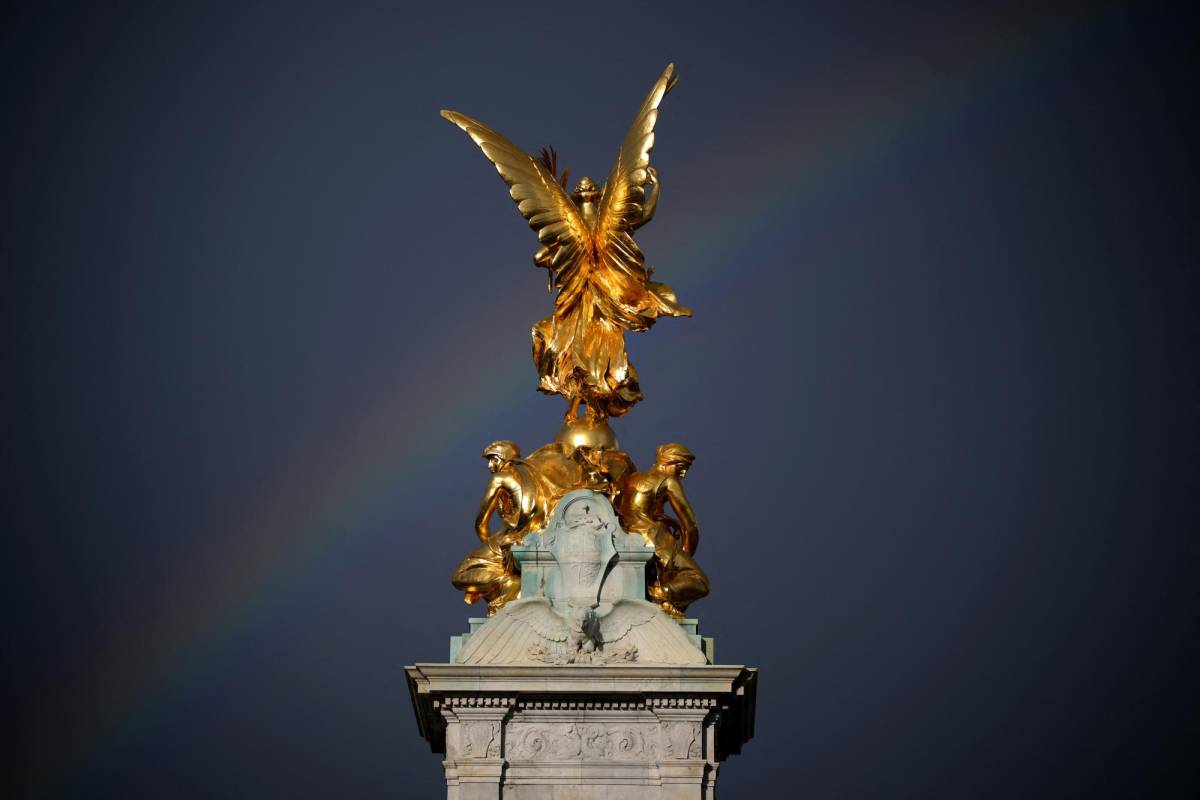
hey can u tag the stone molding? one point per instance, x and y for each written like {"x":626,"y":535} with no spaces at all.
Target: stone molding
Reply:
{"x":479,"y":702}
{"x":642,"y":730}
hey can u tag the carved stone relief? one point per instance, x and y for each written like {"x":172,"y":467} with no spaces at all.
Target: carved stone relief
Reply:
{"x":682,"y":739}
{"x":548,"y":653}
{"x":580,"y":741}
{"x":480,"y":739}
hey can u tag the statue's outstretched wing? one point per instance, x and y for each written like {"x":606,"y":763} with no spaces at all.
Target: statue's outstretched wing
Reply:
{"x":538,"y":195}
{"x":508,"y":637}
{"x":621,"y":207}
{"x":658,"y":639}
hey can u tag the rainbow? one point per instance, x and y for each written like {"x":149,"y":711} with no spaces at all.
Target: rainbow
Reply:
{"x":370,"y":460}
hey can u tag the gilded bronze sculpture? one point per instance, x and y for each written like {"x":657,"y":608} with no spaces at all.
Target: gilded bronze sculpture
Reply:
{"x":604,"y":290}
{"x":487,"y":573}
{"x":675,"y":580}
{"x":592,"y":259}
{"x":586,"y":678}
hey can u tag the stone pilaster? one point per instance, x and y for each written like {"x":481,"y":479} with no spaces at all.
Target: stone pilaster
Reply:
{"x":474,"y":727}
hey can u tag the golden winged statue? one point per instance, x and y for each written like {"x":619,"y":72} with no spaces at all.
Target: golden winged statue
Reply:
{"x":604,"y":288}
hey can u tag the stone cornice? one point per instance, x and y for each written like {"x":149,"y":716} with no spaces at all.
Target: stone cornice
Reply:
{"x":501,"y":678}
{"x":727,"y":689}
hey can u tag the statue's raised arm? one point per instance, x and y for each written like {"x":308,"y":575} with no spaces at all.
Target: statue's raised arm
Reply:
{"x":623,"y":204}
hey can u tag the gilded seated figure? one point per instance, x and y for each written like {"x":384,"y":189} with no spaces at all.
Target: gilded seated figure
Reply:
{"x":514,"y":491}
{"x":674,"y":580}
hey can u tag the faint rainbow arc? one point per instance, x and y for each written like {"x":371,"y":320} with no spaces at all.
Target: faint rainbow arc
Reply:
{"x":367,"y":463}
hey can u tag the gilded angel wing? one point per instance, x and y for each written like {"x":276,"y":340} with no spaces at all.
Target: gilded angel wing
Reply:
{"x":538,"y":195}
{"x":621,"y":208}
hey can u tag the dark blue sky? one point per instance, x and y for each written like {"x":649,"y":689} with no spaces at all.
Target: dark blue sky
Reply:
{"x":264,"y":308}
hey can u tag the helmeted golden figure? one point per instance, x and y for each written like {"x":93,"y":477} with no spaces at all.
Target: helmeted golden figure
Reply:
{"x":588,"y":248}
{"x":675,"y":580}
{"x":487,"y":573}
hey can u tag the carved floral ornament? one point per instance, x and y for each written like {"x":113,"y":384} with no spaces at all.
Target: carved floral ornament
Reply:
{"x":594,"y":741}
{"x":573,"y":741}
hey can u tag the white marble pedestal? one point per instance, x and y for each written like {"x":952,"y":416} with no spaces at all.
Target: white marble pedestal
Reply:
{"x":583,"y":732}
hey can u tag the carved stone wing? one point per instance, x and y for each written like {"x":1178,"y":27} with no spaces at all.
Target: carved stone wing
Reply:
{"x":521,"y":627}
{"x":539,"y":615}
{"x":621,"y":205}
{"x":616,"y":624}
{"x":538,"y":196}
{"x":657,"y":638}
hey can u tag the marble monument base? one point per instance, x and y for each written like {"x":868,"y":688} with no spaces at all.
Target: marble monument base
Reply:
{"x":583,"y":732}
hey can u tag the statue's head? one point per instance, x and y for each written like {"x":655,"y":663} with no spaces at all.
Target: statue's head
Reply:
{"x":674,"y":457}
{"x":499,"y":453}
{"x":585,"y":191}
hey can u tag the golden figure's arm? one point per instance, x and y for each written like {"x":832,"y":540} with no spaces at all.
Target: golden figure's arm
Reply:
{"x":490,"y":499}
{"x":540,"y":199}
{"x":544,"y":258}
{"x":689,"y":531}
{"x":652,"y":201}
{"x":621,"y":205}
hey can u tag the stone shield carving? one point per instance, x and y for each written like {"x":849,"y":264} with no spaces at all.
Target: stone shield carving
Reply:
{"x":580,"y":537}
{"x":567,"y":618}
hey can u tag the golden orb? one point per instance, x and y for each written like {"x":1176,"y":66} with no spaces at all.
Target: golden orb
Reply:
{"x":582,"y":432}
